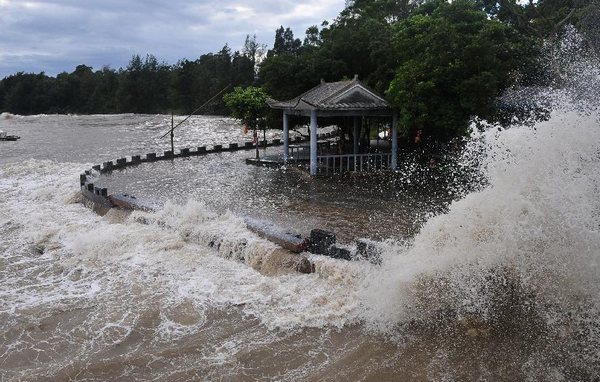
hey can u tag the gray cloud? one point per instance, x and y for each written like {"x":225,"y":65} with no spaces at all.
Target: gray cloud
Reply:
{"x":57,"y":35}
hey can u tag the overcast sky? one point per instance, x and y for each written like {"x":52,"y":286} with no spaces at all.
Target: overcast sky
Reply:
{"x":57,"y":35}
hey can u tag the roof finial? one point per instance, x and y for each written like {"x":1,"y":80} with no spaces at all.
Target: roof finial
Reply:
{"x":356,"y":77}
{"x":322,"y":80}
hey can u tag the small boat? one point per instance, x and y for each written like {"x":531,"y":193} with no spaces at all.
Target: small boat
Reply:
{"x":4,"y":137}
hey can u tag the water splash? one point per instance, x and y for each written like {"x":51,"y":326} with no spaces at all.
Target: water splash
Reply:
{"x":522,"y":255}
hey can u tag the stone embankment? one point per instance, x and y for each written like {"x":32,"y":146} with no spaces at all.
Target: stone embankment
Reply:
{"x":100,"y":196}
{"x":320,"y":242}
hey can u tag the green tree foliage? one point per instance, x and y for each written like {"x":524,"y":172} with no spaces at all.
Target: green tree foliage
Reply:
{"x":292,"y":68}
{"x":440,"y":63}
{"x":285,"y":43}
{"x":253,"y":51}
{"x":144,"y":86}
{"x":248,"y":104}
{"x":588,"y":22}
{"x":454,"y":62}
{"x":26,"y":93}
{"x":312,"y":39}
{"x":544,"y":18}
{"x":357,"y":42}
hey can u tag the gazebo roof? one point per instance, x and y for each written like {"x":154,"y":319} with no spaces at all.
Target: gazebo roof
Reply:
{"x":337,"y":98}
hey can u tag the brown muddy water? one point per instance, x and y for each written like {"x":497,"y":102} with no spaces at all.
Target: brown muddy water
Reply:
{"x":498,"y":286}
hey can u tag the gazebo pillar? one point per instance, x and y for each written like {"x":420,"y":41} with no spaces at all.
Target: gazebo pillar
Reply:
{"x":286,"y":137}
{"x":355,"y":134}
{"x":313,"y":142}
{"x":394,"y":163}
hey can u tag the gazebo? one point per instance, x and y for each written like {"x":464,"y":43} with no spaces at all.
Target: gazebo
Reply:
{"x":350,"y":98}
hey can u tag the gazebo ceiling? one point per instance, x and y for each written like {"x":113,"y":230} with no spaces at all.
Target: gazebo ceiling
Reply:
{"x":341,"y":98}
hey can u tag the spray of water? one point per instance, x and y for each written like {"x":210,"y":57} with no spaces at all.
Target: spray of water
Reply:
{"x":522,"y":255}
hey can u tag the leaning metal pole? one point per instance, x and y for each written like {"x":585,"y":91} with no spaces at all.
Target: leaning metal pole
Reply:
{"x":172,"y":134}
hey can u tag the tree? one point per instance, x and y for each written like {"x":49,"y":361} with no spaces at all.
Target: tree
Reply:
{"x":454,"y":62}
{"x":254,"y":51}
{"x":143,"y":86}
{"x":390,"y":11}
{"x":589,"y":24}
{"x":285,"y":43}
{"x":312,"y":37}
{"x":103,"y":99}
{"x":249,"y":105}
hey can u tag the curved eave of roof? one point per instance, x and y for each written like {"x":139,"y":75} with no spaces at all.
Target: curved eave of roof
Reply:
{"x":303,"y":105}
{"x":285,"y":105}
{"x":352,"y":106}
{"x":325,"y":95}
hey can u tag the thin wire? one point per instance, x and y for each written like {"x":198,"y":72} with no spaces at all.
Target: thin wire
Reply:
{"x":195,"y":111}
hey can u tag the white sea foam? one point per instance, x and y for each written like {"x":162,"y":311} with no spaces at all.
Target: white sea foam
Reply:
{"x":522,"y":252}
{"x":538,"y":217}
{"x":187,"y":251}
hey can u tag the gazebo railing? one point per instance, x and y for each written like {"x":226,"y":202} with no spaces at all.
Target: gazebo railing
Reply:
{"x":337,"y":164}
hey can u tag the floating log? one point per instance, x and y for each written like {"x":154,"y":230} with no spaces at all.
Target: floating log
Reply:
{"x":269,"y":231}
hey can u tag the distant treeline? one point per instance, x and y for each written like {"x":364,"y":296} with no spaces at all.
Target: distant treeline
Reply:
{"x":440,"y":63}
{"x":144,"y":86}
